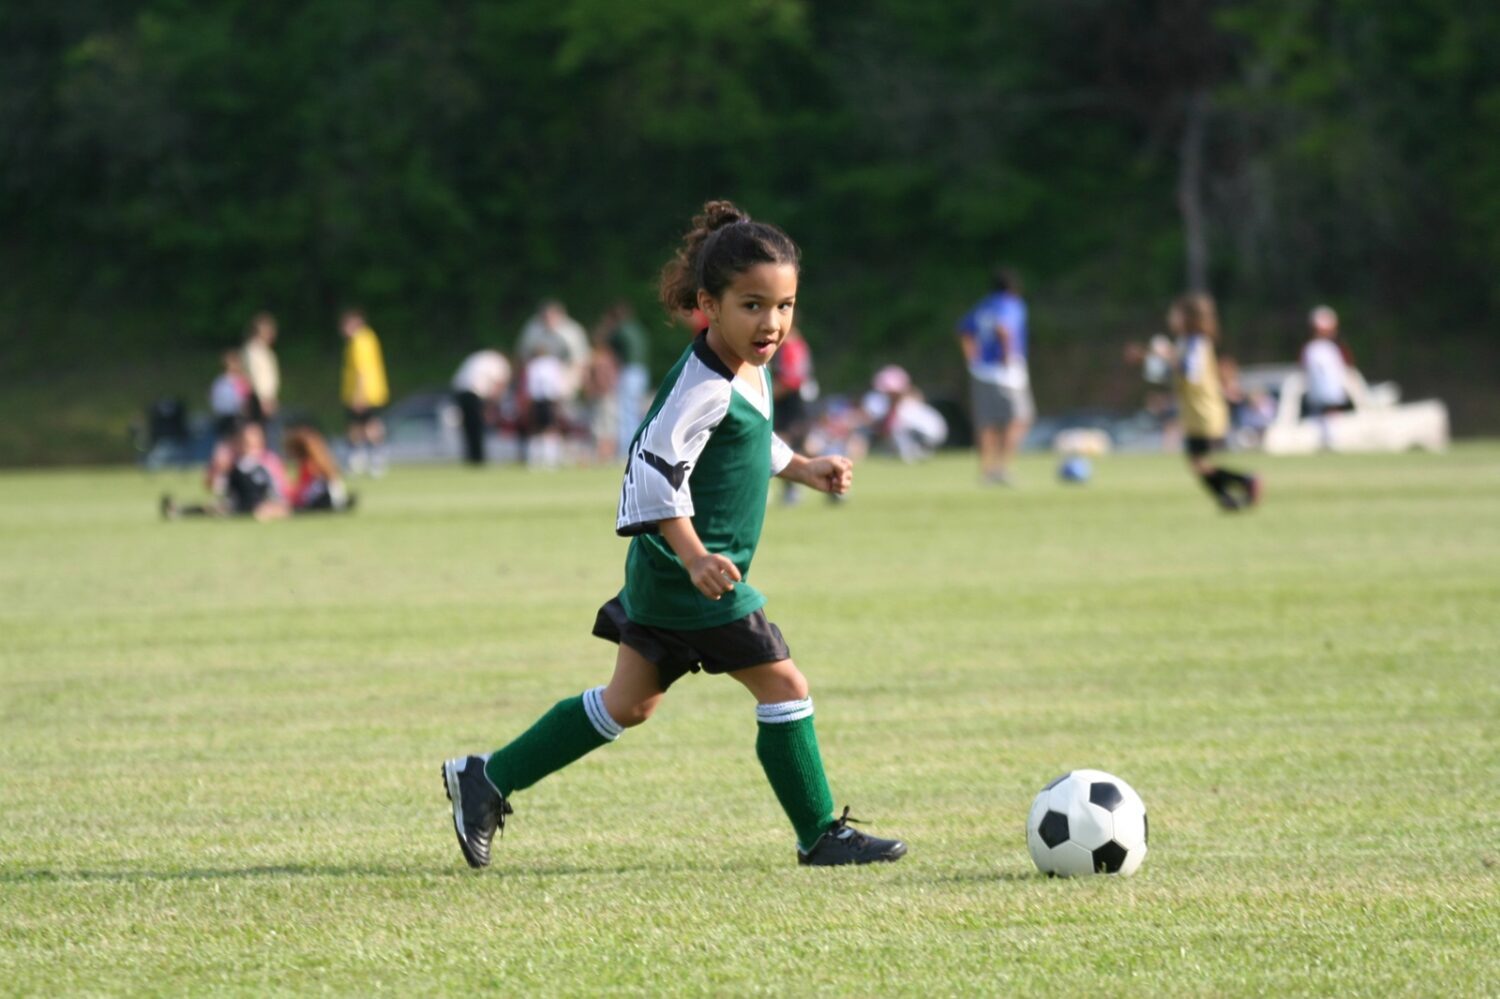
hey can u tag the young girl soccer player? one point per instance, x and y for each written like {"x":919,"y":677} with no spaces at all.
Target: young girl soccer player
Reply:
{"x":693,"y":502}
{"x":1194,"y":322}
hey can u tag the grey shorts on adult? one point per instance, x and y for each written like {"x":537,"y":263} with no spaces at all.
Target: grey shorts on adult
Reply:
{"x":998,"y":406}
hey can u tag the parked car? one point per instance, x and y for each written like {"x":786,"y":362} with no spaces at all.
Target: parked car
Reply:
{"x":1378,"y":421}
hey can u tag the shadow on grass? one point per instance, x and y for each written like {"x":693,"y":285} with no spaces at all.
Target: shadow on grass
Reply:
{"x":274,"y":871}
{"x":46,"y":875}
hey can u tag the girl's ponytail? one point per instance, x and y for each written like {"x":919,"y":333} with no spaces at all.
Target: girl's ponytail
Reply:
{"x":679,"y":278}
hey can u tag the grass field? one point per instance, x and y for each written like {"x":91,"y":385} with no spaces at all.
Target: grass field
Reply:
{"x":221,"y":740}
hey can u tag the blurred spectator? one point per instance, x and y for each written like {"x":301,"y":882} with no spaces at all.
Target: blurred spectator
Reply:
{"x":626,"y":338}
{"x":1194,"y":321}
{"x":365,"y":393}
{"x":552,"y":331}
{"x":546,"y":383}
{"x":838,"y":430}
{"x":601,"y":388}
{"x":901,"y":416}
{"x":1249,"y":412}
{"x":1155,"y":361}
{"x":478,"y":386}
{"x":319,"y":486}
{"x":1325,"y":365}
{"x":792,"y":388}
{"x":247,"y":480}
{"x":264,"y":373}
{"x":993,"y":337}
{"x":229,"y":396}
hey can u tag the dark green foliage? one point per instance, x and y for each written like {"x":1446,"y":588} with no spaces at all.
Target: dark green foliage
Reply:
{"x":169,"y":167}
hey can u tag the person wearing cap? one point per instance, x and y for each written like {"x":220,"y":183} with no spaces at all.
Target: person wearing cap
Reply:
{"x":993,"y":338}
{"x":903,"y":417}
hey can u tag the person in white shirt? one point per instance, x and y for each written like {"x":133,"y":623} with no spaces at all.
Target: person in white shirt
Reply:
{"x":547,"y":385}
{"x":555,"y":332}
{"x":1324,"y":365}
{"x":478,"y":385}
{"x":914,"y":428}
{"x":228,"y":395}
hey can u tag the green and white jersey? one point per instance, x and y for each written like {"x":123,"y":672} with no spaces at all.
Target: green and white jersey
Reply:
{"x":705,"y":451}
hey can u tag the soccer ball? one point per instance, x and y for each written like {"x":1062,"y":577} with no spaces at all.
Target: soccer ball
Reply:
{"x":1075,"y":468}
{"x":1087,"y":822}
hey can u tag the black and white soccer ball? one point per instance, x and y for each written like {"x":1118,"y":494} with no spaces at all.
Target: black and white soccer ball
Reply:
{"x":1087,"y":822}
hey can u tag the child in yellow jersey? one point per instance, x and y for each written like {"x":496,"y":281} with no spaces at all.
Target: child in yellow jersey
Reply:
{"x":364,"y":393}
{"x":1194,"y":323}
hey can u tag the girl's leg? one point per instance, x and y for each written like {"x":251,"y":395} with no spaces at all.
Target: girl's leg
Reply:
{"x":787,"y":745}
{"x":991,"y":452}
{"x":478,"y":786}
{"x":1219,"y":480}
{"x":772,"y":683}
{"x":577,"y":725}
{"x":788,"y":749}
{"x":634,"y":691}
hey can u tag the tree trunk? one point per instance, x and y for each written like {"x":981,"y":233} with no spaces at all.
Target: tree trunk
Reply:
{"x":1190,"y":189}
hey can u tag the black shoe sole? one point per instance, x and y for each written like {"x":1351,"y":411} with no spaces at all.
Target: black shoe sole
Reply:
{"x":885,"y":858}
{"x":450,"y":786}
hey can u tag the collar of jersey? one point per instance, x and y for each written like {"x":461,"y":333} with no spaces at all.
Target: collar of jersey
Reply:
{"x":705,"y":353}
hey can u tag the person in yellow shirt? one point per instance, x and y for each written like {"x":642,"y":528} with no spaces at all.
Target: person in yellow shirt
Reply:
{"x":1194,"y":322}
{"x":365,"y":393}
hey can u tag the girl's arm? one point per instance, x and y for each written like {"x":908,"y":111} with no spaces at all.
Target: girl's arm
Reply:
{"x":830,"y":474}
{"x":714,"y":575}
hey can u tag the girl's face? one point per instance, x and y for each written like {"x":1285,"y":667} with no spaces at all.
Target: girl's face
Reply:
{"x":754,"y":315}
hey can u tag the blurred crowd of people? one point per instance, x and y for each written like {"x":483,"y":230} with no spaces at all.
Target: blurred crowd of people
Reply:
{"x":246,"y":473}
{"x":566,"y":395}
{"x":245,"y":477}
{"x":1325,"y":362}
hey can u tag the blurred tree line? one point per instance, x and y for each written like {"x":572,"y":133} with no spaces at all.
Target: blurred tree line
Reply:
{"x":167,"y":167}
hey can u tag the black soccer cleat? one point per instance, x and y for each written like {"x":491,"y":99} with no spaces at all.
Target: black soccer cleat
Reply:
{"x":842,"y":844}
{"x":1252,"y":491}
{"x":478,"y":809}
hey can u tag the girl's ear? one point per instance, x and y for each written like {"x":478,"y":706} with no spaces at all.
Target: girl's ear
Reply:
{"x":708,"y":304}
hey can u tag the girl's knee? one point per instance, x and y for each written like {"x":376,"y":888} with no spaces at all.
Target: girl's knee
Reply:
{"x":634,"y":713}
{"x":785,"y":683}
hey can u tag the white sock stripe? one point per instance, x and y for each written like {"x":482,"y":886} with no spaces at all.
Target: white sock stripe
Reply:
{"x":599,"y":716}
{"x":784,"y":711}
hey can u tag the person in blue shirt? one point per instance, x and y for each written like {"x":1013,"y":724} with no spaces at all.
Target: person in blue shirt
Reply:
{"x":993,"y":339}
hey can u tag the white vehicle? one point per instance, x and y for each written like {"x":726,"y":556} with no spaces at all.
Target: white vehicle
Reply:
{"x":1378,"y":421}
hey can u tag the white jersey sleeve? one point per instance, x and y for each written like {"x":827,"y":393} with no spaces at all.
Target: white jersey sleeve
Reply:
{"x":661,"y":461}
{"x":781,"y":454}
{"x":1194,"y":360}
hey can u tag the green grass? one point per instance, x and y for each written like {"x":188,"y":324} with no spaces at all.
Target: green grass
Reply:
{"x":221,"y":740}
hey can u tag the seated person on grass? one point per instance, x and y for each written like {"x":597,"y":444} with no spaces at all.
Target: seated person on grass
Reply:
{"x":247,"y":480}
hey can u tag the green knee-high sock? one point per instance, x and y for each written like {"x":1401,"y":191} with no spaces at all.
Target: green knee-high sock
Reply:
{"x":787,"y":745}
{"x":571,"y":729}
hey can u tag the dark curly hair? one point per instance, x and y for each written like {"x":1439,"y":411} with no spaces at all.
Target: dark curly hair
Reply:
{"x":722,"y":242}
